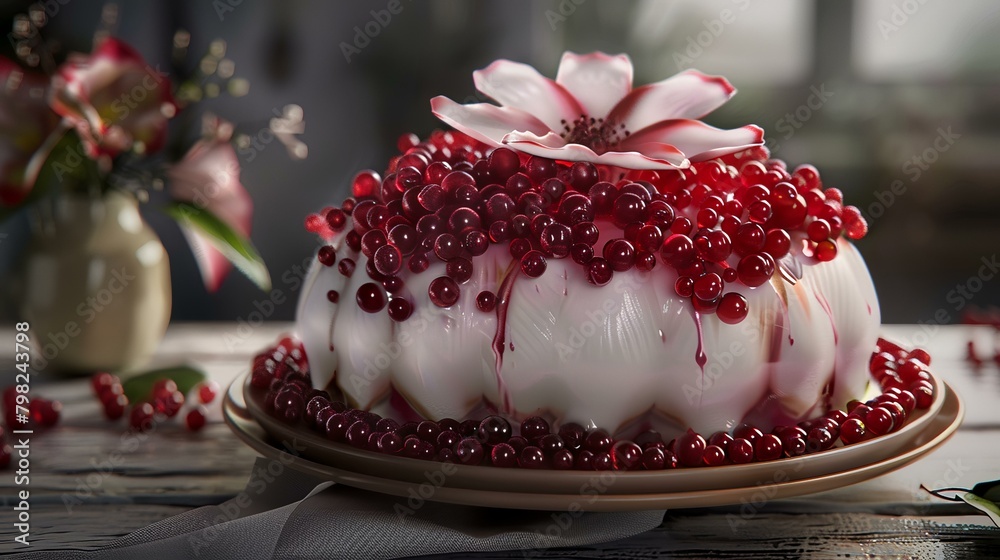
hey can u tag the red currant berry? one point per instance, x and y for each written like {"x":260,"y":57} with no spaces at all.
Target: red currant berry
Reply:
{"x":878,"y":421}
{"x":114,"y":406}
{"x":562,"y":459}
{"x":748,"y":432}
{"x":740,"y":451}
{"x":819,"y":439}
{"x":750,"y":238}
{"x":534,"y":427}
{"x":370,"y":297}
{"x":653,"y":459}
{"x":684,"y":286}
{"x":550,"y":443}
{"x":714,"y":456}
{"x":818,"y":230}
{"x":469,"y":451}
{"x":486,"y":301}
{"x":708,"y":287}
{"x":597,"y":441}
{"x":494,"y":430}
{"x":626,"y":455}
{"x":825,"y":251}
{"x":777,"y":243}
{"x":533,"y":264}
{"x":531,"y":457}
{"x":572,"y":435}
{"x":195,"y":418}
{"x":503,"y":455}
{"x":733,"y":308}
{"x":502,"y":163}
{"x":599,"y":272}
{"x":99,"y":382}
{"x":443,"y":291}
{"x":852,"y":430}
{"x":620,"y":254}
{"x":207,"y":391}
{"x":755,"y":270}
{"x":678,"y":251}
{"x":390,"y":443}
{"x":767,"y":448}
{"x":690,"y":449}
{"x":141,"y":417}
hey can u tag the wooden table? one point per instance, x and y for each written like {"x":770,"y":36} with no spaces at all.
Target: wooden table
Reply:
{"x":78,"y":498}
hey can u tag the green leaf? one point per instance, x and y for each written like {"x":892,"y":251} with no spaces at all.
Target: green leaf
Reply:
{"x":140,"y":387}
{"x":982,"y":504}
{"x":988,"y":490}
{"x":223,"y":238}
{"x":984,"y":496}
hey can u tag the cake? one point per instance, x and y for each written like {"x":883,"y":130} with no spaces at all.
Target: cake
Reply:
{"x":588,"y":256}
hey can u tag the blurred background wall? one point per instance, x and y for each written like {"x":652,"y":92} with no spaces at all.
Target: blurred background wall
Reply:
{"x":897,"y":102}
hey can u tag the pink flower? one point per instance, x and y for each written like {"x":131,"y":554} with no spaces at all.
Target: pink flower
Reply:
{"x":26,"y":121}
{"x":114,"y":99}
{"x":591,"y":113}
{"x":209,"y":178}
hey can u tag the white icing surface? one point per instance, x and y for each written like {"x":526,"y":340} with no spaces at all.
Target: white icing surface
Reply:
{"x":601,"y":355}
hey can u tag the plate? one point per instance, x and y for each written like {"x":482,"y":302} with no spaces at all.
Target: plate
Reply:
{"x":591,"y":490}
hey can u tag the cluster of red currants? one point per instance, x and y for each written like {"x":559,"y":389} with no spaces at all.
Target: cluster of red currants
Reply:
{"x":41,"y":413}
{"x":165,"y":401}
{"x":450,"y":198}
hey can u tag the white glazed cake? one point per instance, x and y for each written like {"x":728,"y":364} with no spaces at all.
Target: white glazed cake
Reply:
{"x":663,"y":273}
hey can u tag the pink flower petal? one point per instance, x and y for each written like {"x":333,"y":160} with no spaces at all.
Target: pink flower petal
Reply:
{"x":214,"y":266}
{"x":553,"y":146}
{"x":520,"y":86}
{"x":114,"y":98}
{"x":484,"y":121}
{"x":661,"y":151}
{"x":687,"y":95}
{"x":597,"y":80}
{"x":696,"y":139}
{"x":209,"y":177}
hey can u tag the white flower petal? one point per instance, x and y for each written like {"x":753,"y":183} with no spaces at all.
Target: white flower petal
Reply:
{"x":484,"y":121}
{"x":697,"y":140}
{"x":553,"y":146}
{"x":597,"y":80}
{"x":520,"y":86}
{"x":688,"y":95}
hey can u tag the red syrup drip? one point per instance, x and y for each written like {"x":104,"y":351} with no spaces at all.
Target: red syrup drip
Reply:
{"x":503,"y":303}
{"x":699,"y":356}
{"x":829,"y":313}
{"x":828,"y":394}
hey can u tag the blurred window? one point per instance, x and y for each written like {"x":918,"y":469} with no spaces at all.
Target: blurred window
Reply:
{"x":926,"y":40}
{"x":748,"y":41}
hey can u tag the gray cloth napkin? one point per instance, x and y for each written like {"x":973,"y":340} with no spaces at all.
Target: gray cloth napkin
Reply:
{"x":286,"y":514}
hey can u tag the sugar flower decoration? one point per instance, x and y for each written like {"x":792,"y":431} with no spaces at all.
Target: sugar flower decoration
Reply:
{"x":590,"y":112}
